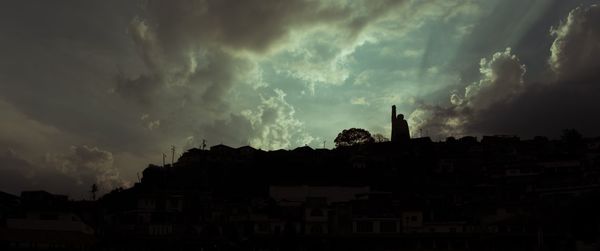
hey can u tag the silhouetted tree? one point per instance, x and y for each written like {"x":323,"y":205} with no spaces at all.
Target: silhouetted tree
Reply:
{"x":353,"y":136}
{"x":380,"y":138}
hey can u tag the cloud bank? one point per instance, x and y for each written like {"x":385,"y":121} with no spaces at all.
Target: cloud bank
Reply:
{"x":575,"y":50}
{"x":502,"y":102}
{"x":93,"y":92}
{"x":203,"y":63}
{"x":72,"y":173}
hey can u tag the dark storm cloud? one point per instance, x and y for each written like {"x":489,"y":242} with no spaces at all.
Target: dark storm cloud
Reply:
{"x":184,"y":42}
{"x":134,"y":77}
{"x":58,"y":61}
{"x":16,"y":172}
{"x":87,"y":165}
{"x":507,"y":104}
{"x":71,"y":173}
{"x":238,"y":24}
{"x":200,"y":55}
{"x":254,"y":24}
{"x":96,"y":90}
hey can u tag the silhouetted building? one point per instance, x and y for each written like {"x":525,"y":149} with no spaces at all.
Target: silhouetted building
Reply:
{"x":500,"y":193}
{"x":400,"y":131}
{"x":7,"y":203}
{"x":45,"y":221}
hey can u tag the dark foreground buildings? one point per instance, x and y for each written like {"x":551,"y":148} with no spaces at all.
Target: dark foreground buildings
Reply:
{"x":499,"y":193}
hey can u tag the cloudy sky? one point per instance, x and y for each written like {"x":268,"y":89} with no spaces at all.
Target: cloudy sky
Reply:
{"x":93,"y":91}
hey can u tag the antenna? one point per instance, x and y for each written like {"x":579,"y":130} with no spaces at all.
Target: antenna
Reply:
{"x":172,"y":155}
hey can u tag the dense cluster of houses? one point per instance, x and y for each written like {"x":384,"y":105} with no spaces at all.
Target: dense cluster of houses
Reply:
{"x":497,"y":193}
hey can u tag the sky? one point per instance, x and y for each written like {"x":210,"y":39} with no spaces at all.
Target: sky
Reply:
{"x":94,"y":91}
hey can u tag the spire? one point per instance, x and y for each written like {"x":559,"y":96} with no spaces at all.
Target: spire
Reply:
{"x":394,"y":126}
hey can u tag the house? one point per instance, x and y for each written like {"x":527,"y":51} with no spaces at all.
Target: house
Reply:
{"x":45,"y":221}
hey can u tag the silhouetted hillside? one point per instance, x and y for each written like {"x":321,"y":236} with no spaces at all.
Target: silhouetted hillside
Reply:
{"x":500,"y":193}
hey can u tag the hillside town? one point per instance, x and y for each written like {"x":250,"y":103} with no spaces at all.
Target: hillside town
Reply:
{"x":490,"y":193}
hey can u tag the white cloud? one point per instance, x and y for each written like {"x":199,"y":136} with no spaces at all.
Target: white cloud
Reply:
{"x":153,"y":124}
{"x":274,"y":124}
{"x":501,"y":81}
{"x":575,"y":52}
{"x":359,"y":101}
{"x":411,"y":53}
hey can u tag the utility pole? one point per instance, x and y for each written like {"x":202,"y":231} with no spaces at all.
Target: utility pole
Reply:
{"x":325,"y":141}
{"x":164,"y":159}
{"x":203,"y":144}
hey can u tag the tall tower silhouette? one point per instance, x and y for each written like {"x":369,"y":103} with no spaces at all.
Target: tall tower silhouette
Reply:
{"x":400,"y":131}
{"x":394,"y":136}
